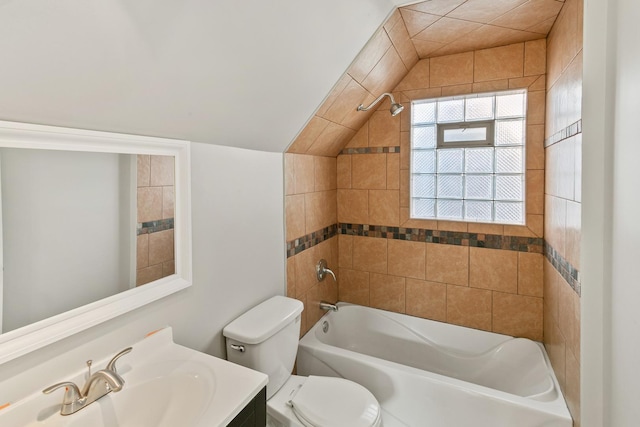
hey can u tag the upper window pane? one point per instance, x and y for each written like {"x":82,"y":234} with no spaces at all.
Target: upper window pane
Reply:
{"x":451,"y":111}
{"x":511,"y":105}
{"x":479,"y":108}
{"x":424,"y":112}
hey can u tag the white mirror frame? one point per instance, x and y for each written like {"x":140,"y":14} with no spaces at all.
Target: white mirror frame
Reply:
{"x":21,"y":341}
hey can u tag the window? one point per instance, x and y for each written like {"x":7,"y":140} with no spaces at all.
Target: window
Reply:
{"x":468,"y":158}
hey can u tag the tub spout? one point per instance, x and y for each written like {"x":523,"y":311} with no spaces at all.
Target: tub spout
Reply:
{"x":328,"y":306}
{"x":322,"y":271}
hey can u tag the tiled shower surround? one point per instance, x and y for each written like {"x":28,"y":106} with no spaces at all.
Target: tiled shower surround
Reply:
{"x":155,"y":208}
{"x":350,"y":173}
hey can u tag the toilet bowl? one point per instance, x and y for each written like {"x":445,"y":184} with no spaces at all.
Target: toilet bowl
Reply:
{"x":266,"y":339}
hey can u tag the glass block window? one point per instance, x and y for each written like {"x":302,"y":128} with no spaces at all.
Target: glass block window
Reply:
{"x":468,"y":158}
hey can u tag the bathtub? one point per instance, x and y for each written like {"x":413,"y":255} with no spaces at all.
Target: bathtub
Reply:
{"x":426,"y":373}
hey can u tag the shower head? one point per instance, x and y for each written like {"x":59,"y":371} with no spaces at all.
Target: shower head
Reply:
{"x":395,"y":107}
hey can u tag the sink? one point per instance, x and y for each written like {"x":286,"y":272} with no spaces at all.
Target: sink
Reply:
{"x":165,"y":385}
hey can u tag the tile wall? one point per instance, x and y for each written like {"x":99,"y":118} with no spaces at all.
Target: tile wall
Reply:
{"x":563,"y":148}
{"x":496,"y":287}
{"x":311,"y":216}
{"x":155,"y":209}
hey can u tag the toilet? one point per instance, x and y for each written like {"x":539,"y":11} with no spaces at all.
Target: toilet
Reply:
{"x":265,"y":338}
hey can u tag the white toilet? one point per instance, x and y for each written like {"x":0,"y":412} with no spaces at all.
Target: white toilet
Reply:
{"x":265,"y":338}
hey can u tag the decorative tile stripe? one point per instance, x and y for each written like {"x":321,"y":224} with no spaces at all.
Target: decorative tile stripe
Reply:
{"x":477,"y":240}
{"x":300,"y":244}
{"x":371,"y":150}
{"x":571,"y":130}
{"x":154,"y":226}
{"x":564,"y":267}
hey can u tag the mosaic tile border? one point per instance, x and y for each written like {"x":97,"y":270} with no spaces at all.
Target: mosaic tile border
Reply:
{"x":371,"y":150}
{"x":477,"y":240}
{"x":154,"y":226}
{"x":310,"y":240}
{"x":564,"y":267}
{"x":571,"y":130}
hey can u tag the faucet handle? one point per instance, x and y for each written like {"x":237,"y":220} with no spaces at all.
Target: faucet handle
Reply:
{"x":322,"y":271}
{"x":111,"y":366}
{"x":72,"y":392}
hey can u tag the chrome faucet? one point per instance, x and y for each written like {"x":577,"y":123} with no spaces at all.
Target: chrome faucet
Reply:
{"x":328,"y":306}
{"x":99,"y":384}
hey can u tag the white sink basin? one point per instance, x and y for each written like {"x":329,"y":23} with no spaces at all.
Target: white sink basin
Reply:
{"x":165,"y":385}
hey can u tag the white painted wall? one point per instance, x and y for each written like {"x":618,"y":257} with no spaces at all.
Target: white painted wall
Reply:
{"x":245,"y":73}
{"x":66,"y":244}
{"x":610,"y":209}
{"x":239,"y":261}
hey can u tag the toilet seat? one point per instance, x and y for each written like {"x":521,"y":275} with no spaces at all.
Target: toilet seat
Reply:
{"x":335,"y":402}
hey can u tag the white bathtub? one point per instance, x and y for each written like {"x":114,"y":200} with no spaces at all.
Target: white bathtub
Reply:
{"x":427,"y":373}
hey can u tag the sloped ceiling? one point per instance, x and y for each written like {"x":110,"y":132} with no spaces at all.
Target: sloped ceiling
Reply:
{"x":414,"y":32}
{"x":241,"y":73}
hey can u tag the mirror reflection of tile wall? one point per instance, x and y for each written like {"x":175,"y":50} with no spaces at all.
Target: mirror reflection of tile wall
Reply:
{"x":156,"y":194}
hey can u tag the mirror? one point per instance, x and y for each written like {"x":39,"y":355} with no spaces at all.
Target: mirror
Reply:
{"x":87,"y":218}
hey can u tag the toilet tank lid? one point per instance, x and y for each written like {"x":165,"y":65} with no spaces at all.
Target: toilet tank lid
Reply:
{"x":263,"y":320}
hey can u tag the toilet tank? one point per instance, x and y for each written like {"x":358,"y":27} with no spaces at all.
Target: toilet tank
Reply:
{"x":269,"y":334}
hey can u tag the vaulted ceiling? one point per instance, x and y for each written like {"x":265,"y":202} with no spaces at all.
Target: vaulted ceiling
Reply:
{"x":418,"y":31}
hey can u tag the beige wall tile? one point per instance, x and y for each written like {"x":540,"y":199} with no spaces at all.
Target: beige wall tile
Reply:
{"x":384,"y":207}
{"x":360,"y":139}
{"x":517,"y":315}
{"x":566,"y":314}
{"x":345,"y":251}
{"x":325,"y":173}
{"x":343,"y":110}
{"x":523,"y":82}
{"x":291,"y":277}
{"x":478,"y":227}
{"x":499,"y":63}
{"x":451,"y":69}
{"x":417,"y":21}
{"x":484,"y":11}
{"x":446,"y":30}
{"x":426,"y":299}
{"x":304,"y":173}
{"x":142,"y":251}
{"x":404,"y":189}
{"x":491,"y":86}
{"x":294,"y":216}
{"x":393,"y":171}
{"x":384,"y":129}
{"x":462,"y":89}
{"x":320,"y":210}
{"x":535,"y":223}
{"x":386,"y":74}
{"x":573,"y":233}
{"x":539,"y":84}
{"x":168,"y":268}
{"x":354,"y":287}
{"x":535,"y":147}
{"x":406,"y":258}
{"x":369,"y":171}
{"x":452,"y":225}
{"x":435,"y":7}
{"x":448,"y":264}
{"x":550,"y":285}
{"x":148,"y":274}
{"x":289,"y":174}
{"x":416,"y":78}
{"x":535,"y":191}
{"x":387,"y":292}
{"x":535,"y":57}
{"x":405,"y":150}
{"x":556,"y":349}
{"x":572,"y":386}
{"x":149,"y":204}
{"x":530,"y":274}
{"x":370,"y":55}
{"x":493,"y":269}
{"x":308,"y":136}
{"x":143,"y":170}
{"x":168,"y":202}
{"x":402,"y":42}
{"x":161,"y":247}
{"x":469,"y":307}
{"x":535,"y":107}
{"x":312,"y":309}
{"x":306,"y":270}
{"x":343,"y":171}
{"x":162,"y":170}
{"x":332,"y":139}
{"x":353,"y":206}
{"x":370,"y":254}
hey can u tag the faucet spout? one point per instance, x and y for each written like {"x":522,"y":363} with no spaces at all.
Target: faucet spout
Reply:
{"x":328,"y":306}
{"x":101,"y":383}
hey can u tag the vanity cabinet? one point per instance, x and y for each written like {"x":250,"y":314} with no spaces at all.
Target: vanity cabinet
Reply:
{"x":254,"y":414}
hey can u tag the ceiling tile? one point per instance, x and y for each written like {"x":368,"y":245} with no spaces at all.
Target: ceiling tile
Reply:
{"x":529,"y":14}
{"x":484,"y":11}
{"x":386,"y":74}
{"x":349,"y":99}
{"x":436,"y":7}
{"x":417,"y":21}
{"x":447,"y":30}
{"x":543,"y":27}
{"x":426,"y":48}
